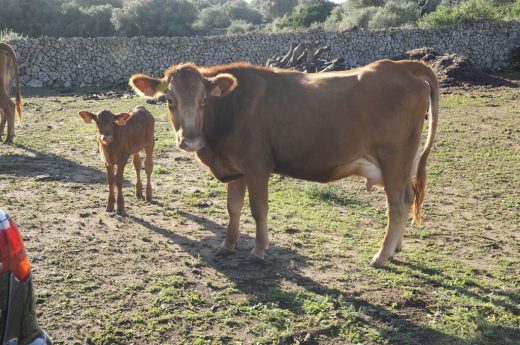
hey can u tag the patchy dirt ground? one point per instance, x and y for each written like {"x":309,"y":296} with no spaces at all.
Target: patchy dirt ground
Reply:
{"x":152,"y":278}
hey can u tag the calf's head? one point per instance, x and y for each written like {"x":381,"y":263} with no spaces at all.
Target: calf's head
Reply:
{"x":105,"y":122}
{"x":187,"y":91}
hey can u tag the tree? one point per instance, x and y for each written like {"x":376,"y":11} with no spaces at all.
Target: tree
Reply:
{"x":155,"y":18}
{"x":307,"y":13}
{"x":241,"y":10}
{"x":275,"y":8}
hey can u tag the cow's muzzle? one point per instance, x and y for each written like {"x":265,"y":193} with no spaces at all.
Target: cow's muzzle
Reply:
{"x":191,"y":144}
{"x":106,"y":139}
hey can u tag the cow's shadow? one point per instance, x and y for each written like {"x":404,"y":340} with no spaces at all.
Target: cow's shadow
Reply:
{"x":48,"y":167}
{"x":261,"y":281}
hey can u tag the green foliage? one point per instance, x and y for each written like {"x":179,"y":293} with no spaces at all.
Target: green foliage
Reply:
{"x":373,"y":14}
{"x":306,"y":14}
{"x":7,"y":35}
{"x":275,"y":8}
{"x":465,"y":11}
{"x":241,"y":10}
{"x":512,"y":12}
{"x":213,"y":17}
{"x":239,"y":26}
{"x":155,"y":18}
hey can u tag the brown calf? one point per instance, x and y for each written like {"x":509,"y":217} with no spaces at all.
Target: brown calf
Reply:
{"x":119,"y":137}
{"x":246,"y":122}
{"x":8,"y":70}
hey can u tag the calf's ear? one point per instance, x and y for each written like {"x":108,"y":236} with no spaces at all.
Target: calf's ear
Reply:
{"x":222,"y":84}
{"x":147,"y":86}
{"x":87,"y":117}
{"x":122,"y":118}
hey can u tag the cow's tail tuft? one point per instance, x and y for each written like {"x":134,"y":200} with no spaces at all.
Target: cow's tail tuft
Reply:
{"x":19,"y":105}
{"x":419,"y":183}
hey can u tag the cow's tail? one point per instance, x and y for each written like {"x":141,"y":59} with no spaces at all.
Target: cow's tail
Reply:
{"x":19,"y":105}
{"x":419,"y":184}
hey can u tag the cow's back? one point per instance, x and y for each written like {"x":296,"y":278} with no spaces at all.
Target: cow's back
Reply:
{"x":138,"y":131}
{"x":311,"y":124}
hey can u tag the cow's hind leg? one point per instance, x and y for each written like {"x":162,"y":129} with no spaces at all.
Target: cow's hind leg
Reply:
{"x":236,"y":191}
{"x":3,"y":119}
{"x":119,"y":184}
{"x":408,"y":200}
{"x":8,"y":107}
{"x":399,"y":204}
{"x":138,"y":184}
{"x":148,"y":168}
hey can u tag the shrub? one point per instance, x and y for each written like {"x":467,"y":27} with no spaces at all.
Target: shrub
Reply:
{"x":239,"y":27}
{"x":213,"y":17}
{"x":465,"y":11}
{"x":155,"y":18}
{"x":241,"y":10}
{"x":7,"y":35}
{"x":373,"y":14}
{"x":306,"y":14}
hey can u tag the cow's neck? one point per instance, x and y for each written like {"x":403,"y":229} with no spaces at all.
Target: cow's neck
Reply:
{"x":219,"y":153}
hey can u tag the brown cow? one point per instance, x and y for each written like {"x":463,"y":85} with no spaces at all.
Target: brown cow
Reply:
{"x":119,"y":137}
{"x":8,"y":70}
{"x":247,"y":122}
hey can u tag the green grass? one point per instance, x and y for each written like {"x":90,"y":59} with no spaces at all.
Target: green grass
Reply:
{"x":152,"y":277}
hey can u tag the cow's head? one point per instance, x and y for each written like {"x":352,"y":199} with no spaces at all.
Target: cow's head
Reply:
{"x":105,"y":122}
{"x":186,"y":90}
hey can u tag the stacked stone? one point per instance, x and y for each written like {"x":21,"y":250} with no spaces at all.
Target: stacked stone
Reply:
{"x":67,"y":62}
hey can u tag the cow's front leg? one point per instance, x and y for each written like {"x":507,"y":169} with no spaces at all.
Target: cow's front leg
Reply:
{"x":138,"y":183}
{"x":111,"y":183}
{"x":258,"y":200}
{"x":119,"y":184}
{"x":236,"y":191}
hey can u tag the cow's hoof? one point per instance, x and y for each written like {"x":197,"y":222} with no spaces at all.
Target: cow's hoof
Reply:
{"x":255,"y":260}
{"x":149,"y":199}
{"x":223,"y":252}
{"x":121,"y":213}
{"x":377,"y":263}
{"x":8,"y":141}
{"x":110,"y":209}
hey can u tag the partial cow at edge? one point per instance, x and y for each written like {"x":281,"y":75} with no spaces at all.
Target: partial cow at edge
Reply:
{"x":119,"y":137}
{"x":9,"y":70}
{"x":246,"y":122}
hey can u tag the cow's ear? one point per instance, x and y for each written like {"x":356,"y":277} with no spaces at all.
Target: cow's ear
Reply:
{"x":87,"y":117}
{"x":222,"y":84}
{"x":147,"y":86}
{"x":122,"y":118}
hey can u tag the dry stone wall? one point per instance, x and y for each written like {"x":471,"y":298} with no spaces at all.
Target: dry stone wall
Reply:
{"x":106,"y":61}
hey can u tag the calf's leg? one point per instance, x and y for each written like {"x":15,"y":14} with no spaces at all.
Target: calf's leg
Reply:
{"x":119,"y":184}
{"x":138,"y":184}
{"x":111,"y":183}
{"x":148,"y":168}
{"x":236,"y":191}
{"x":258,"y":200}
